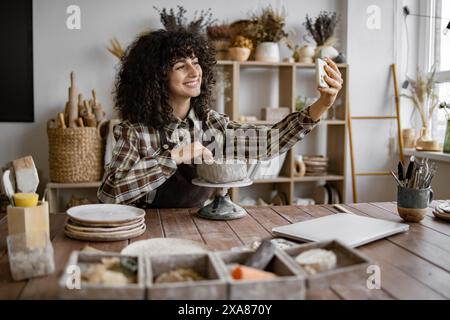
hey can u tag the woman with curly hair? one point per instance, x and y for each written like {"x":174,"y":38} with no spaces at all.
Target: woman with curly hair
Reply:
{"x":163,"y":92}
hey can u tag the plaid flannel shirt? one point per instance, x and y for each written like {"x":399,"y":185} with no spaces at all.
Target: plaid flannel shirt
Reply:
{"x":140,"y":163}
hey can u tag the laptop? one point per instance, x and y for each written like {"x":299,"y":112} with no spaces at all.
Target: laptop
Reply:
{"x":350,"y":229}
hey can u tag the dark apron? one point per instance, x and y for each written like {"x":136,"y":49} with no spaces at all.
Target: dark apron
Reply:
{"x":178,"y":191}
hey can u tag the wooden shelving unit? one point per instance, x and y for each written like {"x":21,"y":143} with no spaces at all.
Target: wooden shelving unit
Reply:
{"x":59,"y":193}
{"x":336,"y":135}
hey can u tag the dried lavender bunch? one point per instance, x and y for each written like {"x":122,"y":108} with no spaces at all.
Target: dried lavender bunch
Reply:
{"x":323,"y":26}
{"x":176,"y":21}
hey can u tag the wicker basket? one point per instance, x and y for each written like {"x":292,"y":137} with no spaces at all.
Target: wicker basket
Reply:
{"x":75,"y":154}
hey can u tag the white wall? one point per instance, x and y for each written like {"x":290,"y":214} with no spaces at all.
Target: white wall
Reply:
{"x":57,"y":51}
{"x":370,"y":54}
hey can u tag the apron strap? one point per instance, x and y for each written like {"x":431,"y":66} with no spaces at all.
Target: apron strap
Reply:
{"x":165,"y":143}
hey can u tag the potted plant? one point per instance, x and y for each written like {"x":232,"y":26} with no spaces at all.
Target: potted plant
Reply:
{"x":219,"y":36}
{"x":425,"y":100}
{"x":266,"y":31}
{"x":322,"y":31}
{"x":446,"y":106}
{"x":240,"y":48}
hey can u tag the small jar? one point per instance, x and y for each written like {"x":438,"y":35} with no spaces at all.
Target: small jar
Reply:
{"x":28,"y":262}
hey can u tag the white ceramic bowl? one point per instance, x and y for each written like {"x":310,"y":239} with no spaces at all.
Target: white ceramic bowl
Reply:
{"x":222,"y":172}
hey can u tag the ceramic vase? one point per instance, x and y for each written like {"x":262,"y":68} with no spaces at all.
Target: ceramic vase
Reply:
{"x":267,"y":52}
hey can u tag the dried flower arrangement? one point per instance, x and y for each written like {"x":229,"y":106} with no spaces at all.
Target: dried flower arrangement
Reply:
{"x":267,"y":26}
{"x":175,"y":21}
{"x":242,"y":42}
{"x":219,"y":32}
{"x":323,"y":27}
{"x":423,"y":95}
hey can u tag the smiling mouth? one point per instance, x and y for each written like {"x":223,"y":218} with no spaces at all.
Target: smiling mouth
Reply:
{"x":192,"y":84}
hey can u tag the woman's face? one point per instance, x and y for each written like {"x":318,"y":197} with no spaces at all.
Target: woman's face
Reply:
{"x":185,"y":78}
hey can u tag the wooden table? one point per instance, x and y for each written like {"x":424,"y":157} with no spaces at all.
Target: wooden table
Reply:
{"x":414,"y":265}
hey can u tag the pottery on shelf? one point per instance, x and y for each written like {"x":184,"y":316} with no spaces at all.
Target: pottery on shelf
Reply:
{"x":425,"y":142}
{"x":409,"y":138}
{"x":305,"y":54}
{"x":267,"y":52}
{"x":238,"y":53}
{"x":222,"y":172}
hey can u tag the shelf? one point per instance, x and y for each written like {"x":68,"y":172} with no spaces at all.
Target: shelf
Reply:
{"x":57,"y":185}
{"x":273,"y":180}
{"x":333,"y":122}
{"x":437,"y":156}
{"x":272,"y":64}
{"x":330,"y":177}
{"x":289,"y":75}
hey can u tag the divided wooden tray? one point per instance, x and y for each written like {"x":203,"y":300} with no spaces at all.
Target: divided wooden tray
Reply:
{"x":292,"y":283}
{"x":99,"y":291}
{"x":351,"y":266}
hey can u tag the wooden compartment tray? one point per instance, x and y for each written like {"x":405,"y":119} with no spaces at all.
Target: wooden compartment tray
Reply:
{"x":205,"y":264}
{"x":351,"y":266}
{"x":290,"y":284}
{"x":100,"y":291}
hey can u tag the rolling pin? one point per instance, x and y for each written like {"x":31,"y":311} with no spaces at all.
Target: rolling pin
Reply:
{"x":73,"y":107}
{"x":98,"y":112}
{"x":80,"y":104}
{"x":97,"y":108}
{"x":89,"y":119}
{"x":62,"y":123}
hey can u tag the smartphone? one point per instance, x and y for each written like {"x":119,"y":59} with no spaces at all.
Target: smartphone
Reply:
{"x":321,"y":73}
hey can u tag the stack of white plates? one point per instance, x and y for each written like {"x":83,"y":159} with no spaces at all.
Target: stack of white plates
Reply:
{"x":442,"y":211}
{"x":104,"y":222}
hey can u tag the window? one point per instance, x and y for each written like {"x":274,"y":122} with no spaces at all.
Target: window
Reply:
{"x":442,"y":62}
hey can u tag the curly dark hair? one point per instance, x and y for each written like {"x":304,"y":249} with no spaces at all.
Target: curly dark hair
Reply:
{"x":141,"y":92}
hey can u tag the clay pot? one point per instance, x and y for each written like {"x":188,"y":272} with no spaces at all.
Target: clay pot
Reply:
{"x":238,"y":54}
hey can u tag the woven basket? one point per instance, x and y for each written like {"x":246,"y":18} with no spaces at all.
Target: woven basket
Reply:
{"x":75,"y":154}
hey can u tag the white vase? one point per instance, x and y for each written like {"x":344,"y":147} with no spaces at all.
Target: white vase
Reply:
{"x":267,"y":52}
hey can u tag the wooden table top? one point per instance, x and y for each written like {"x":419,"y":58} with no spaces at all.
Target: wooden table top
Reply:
{"x":414,"y":265}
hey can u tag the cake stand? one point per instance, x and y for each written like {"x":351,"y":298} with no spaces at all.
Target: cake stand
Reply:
{"x":222,"y":208}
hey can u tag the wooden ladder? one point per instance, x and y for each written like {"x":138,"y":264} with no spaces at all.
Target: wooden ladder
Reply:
{"x":400,"y":140}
